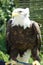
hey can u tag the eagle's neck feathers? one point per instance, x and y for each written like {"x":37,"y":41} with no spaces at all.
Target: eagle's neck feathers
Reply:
{"x":26,"y":22}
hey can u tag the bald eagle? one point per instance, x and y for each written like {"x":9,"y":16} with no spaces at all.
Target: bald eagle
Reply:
{"x":23,"y":36}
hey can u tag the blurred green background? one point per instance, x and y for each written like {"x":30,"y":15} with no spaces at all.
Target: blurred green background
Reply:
{"x":6,"y":8}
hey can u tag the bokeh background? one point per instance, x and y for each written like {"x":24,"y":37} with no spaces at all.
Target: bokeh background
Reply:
{"x":6,"y":8}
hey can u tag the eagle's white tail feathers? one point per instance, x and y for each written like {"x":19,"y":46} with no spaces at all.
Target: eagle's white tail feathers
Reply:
{"x":25,"y":57}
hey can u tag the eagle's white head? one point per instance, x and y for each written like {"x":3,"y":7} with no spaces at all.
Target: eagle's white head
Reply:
{"x":20,"y":17}
{"x":21,"y":11}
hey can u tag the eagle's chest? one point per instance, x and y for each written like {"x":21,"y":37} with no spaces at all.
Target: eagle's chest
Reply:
{"x":21,"y":34}
{"x":23,"y":38}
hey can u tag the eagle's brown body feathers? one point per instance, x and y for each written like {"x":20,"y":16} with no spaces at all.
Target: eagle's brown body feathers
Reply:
{"x":20,"y":39}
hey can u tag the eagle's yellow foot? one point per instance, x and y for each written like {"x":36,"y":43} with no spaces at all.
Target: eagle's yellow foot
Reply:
{"x":36,"y":63}
{"x":11,"y":62}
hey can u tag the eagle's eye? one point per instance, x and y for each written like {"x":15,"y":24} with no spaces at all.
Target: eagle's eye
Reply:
{"x":20,"y":11}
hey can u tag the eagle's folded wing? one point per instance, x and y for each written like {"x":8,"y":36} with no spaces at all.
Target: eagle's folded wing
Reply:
{"x":37,"y":31}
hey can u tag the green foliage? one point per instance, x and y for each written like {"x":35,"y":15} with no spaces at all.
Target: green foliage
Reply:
{"x":6,"y":7}
{"x":4,"y":57}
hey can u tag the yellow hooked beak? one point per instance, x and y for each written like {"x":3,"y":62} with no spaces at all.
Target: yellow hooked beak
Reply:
{"x":15,"y":14}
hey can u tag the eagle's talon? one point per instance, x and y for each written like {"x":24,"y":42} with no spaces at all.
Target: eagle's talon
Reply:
{"x":36,"y":63}
{"x":11,"y":63}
